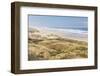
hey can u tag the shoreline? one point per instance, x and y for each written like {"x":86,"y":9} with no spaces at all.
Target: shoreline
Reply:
{"x":63,"y":34}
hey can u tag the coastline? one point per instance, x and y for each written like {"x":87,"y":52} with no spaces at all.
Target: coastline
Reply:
{"x":63,"y":33}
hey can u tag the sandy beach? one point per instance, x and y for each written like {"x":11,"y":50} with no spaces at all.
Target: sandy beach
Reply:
{"x":62,"y":33}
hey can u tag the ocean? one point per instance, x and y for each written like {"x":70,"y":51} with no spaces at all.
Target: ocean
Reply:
{"x":72,"y":30}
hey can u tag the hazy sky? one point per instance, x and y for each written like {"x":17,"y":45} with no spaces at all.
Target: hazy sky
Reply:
{"x":58,"y":21}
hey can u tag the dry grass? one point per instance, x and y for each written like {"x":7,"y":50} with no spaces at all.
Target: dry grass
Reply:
{"x":52,"y":49}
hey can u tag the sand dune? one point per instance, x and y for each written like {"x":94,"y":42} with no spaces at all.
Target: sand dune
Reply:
{"x":49,"y":44}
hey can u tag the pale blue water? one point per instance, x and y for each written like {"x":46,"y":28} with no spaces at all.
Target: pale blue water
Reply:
{"x":82,"y":29}
{"x":72,"y":30}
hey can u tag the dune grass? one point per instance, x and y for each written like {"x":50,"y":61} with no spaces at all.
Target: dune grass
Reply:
{"x":53,"y":49}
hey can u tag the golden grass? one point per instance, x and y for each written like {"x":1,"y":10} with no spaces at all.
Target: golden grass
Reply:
{"x":53,"y":49}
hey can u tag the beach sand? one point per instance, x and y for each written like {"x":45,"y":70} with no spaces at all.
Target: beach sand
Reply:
{"x":63,"y":34}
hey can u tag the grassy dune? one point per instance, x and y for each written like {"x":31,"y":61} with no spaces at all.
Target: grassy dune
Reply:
{"x":43,"y":48}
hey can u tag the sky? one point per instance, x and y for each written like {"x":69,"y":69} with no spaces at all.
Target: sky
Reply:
{"x":58,"y":21}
